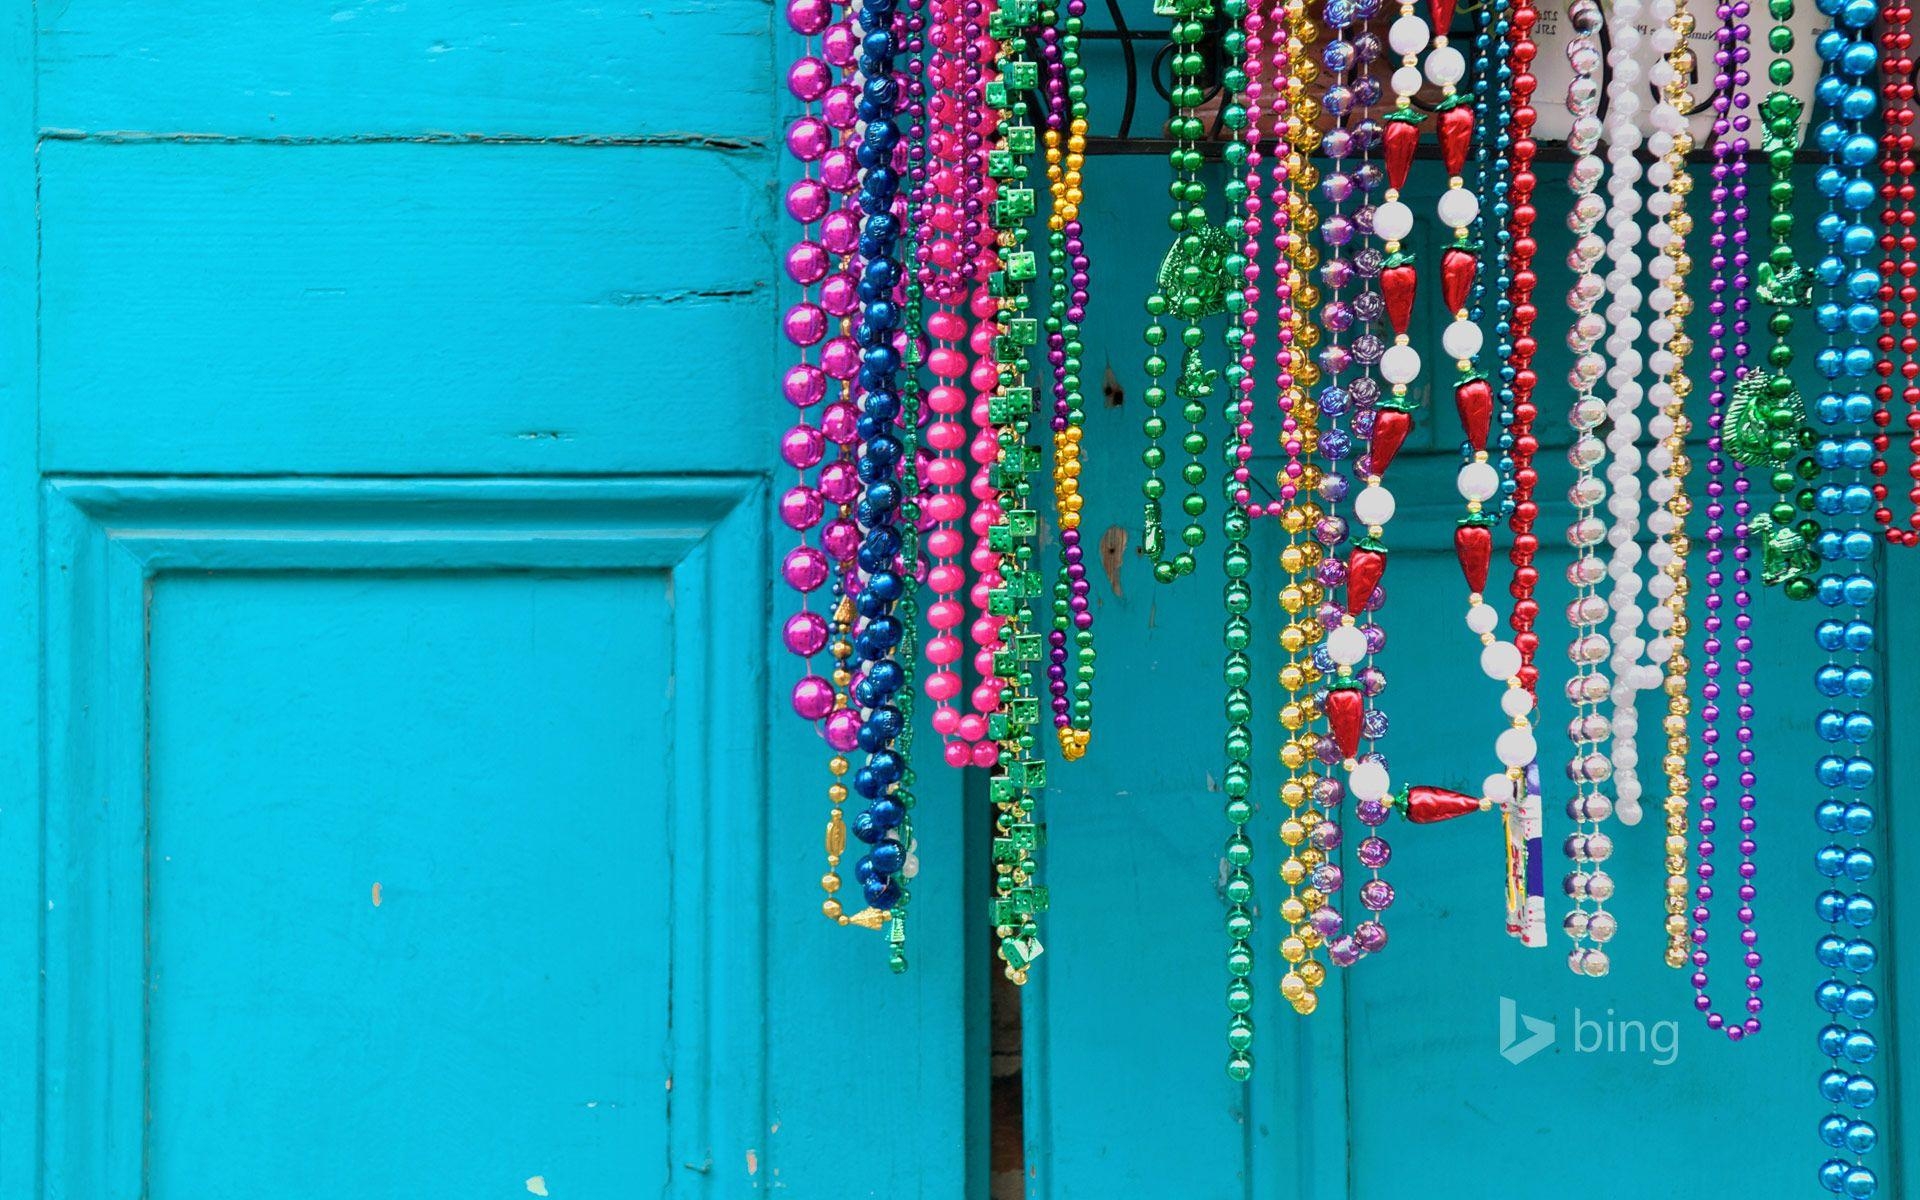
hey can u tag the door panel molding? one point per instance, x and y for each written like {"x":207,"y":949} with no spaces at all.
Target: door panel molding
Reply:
{"x":108,"y":541}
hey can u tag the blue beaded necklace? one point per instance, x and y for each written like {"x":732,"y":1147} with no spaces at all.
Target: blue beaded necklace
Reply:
{"x":878,"y":643}
{"x":1849,"y":318}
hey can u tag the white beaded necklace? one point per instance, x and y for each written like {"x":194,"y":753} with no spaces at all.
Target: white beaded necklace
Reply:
{"x":1587,"y":882}
{"x":1630,"y":674}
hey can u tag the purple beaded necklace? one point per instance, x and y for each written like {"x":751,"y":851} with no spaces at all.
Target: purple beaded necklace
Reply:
{"x":1731,"y":122}
{"x":1068,"y":266}
{"x":1361,"y":401}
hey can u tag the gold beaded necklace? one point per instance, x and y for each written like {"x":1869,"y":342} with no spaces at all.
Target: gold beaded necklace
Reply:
{"x":1676,"y":503}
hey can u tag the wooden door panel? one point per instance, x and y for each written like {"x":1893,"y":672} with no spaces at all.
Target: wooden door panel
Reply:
{"x":399,"y":308}
{"x":382,"y":831}
{"x":459,"y":69}
{"x":405,"y":857}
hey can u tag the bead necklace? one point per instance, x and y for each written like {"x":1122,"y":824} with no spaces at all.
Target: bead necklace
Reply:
{"x":1071,"y":698}
{"x":1479,"y":408}
{"x":988,"y":627}
{"x":1311,"y":493}
{"x":1259,"y":26}
{"x":1191,"y":285}
{"x":1729,"y":278}
{"x":812,"y":140}
{"x":1237,"y":560}
{"x":1899,"y":290}
{"x":1522,"y":823}
{"x":1624,"y":408}
{"x":1014,"y":787}
{"x":1515,"y":790}
{"x":1513,"y":661}
{"x":1507,"y":176}
{"x":882,"y":671}
{"x":954,"y":265}
{"x":1386,"y":284}
{"x":1766,"y":420}
{"x":1310,"y":872}
{"x":1350,"y":645}
{"x":1589,"y":847}
{"x":1672,"y":142}
{"x":1845,"y":634}
{"x":1292,"y":178}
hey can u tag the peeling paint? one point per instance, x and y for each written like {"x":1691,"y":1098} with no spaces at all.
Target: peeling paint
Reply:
{"x":1113,"y":548}
{"x":537,"y":1185}
{"x":376,"y":893}
{"x":753,"y":1163}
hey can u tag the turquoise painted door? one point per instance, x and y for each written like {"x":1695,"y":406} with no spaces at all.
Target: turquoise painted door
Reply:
{"x":1398,"y":1087}
{"x":390,"y":804}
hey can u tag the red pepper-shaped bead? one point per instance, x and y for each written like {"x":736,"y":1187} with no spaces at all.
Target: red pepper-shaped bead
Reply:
{"x":1400,"y":137}
{"x":1474,"y":401}
{"x":1456,"y":277}
{"x":1396,"y":286}
{"x":1442,"y":11}
{"x":1455,"y":132}
{"x":1344,"y":708}
{"x":1365,"y":565}
{"x":1473,"y":546}
{"x":1426,"y":805}
{"x":1390,"y":429}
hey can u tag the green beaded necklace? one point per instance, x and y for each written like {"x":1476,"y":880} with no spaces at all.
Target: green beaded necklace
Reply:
{"x":1765,"y":424}
{"x":1237,"y":560}
{"x":1191,"y":284}
{"x":1013,"y":789}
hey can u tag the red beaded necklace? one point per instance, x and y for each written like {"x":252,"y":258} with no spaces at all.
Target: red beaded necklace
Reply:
{"x":1898,"y":290}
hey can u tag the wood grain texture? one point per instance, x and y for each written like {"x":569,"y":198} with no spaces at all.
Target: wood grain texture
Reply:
{"x":360,"y":69}
{"x":402,"y":308}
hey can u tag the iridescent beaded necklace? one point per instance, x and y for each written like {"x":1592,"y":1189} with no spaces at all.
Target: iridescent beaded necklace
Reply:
{"x":1899,"y":290}
{"x":1190,"y":286}
{"x":953,"y":269}
{"x":989,"y":626}
{"x":1014,"y":788}
{"x":812,"y":140}
{"x":1306,"y":522}
{"x":1237,"y":560}
{"x":1668,"y":585}
{"x":1069,"y":673}
{"x":1728,"y":294}
{"x":1310,"y":872}
{"x":1257,"y":27}
{"x":1364,"y":398}
{"x":1589,"y":847}
{"x":1625,"y":116}
{"x":883,"y":671}
{"x":1845,"y":634}
{"x":1515,"y":747}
